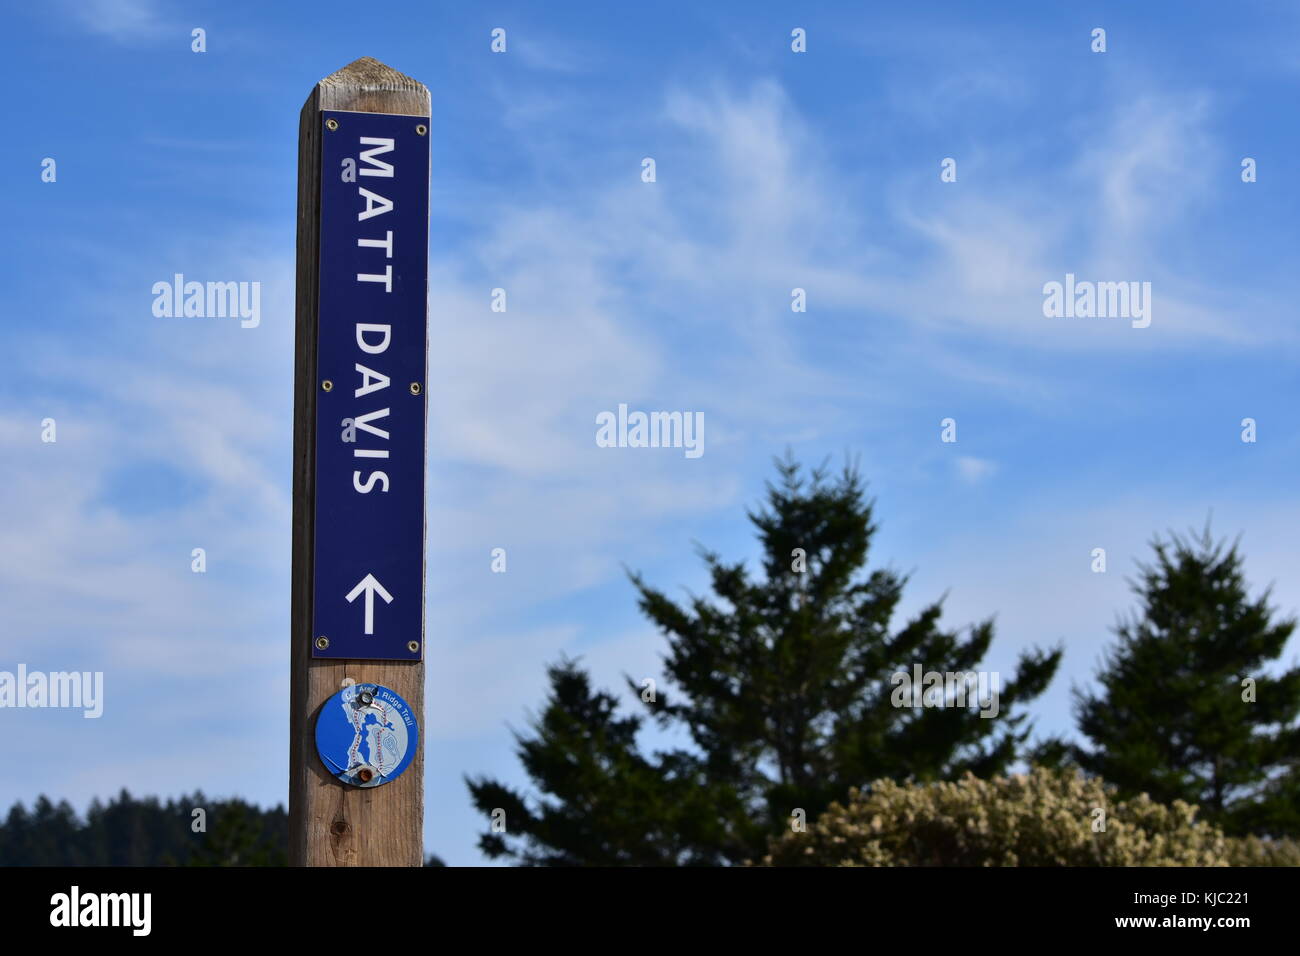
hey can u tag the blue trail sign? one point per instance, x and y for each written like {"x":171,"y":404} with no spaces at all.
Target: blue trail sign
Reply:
{"x":372,"y":343}
{"x":366,"y":735}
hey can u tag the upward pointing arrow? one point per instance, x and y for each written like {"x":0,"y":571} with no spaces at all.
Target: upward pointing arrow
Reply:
{"x":372,"y":587}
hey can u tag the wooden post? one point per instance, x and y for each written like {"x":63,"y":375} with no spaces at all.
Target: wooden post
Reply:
{"x":330,"y":823}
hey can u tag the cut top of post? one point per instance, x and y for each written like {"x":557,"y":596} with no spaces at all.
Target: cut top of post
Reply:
{"x":368,"y":86}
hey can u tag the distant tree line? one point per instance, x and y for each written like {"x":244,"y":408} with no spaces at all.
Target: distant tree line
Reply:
{"x":142,"y":831}
{"x":135,"y":831}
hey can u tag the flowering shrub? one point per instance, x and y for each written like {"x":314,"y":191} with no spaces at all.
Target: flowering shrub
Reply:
{"x":1252,"y":851}
{"x":1042,"y":818}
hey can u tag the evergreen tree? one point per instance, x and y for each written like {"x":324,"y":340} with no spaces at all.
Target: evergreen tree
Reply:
{"x":240,"y":834}
{"x":784,"y":686}
{"x":14,"y":836}
{"x":1177,"y":716}
{"x":53,"y":831}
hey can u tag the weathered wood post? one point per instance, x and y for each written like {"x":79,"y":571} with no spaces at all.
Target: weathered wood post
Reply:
{"x":356,"y":766}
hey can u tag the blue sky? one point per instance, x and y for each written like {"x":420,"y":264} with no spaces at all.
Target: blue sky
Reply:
{"x":775,"y":170}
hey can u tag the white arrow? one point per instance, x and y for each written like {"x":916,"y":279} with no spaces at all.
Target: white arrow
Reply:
{"x":371,"y":587}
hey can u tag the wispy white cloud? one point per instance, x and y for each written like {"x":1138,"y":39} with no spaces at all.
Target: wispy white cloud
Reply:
{"x":1146,"y":163}
{"x":974,"y":470}
{"x":549,"y":51}
{"x":125,"y":21}
{"x":1143,"y":170}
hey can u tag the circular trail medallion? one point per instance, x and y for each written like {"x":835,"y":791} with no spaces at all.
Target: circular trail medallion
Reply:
{"x":366,"y":735}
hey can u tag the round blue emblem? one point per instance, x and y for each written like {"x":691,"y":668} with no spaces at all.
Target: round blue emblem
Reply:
{"x":366,"y":735}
